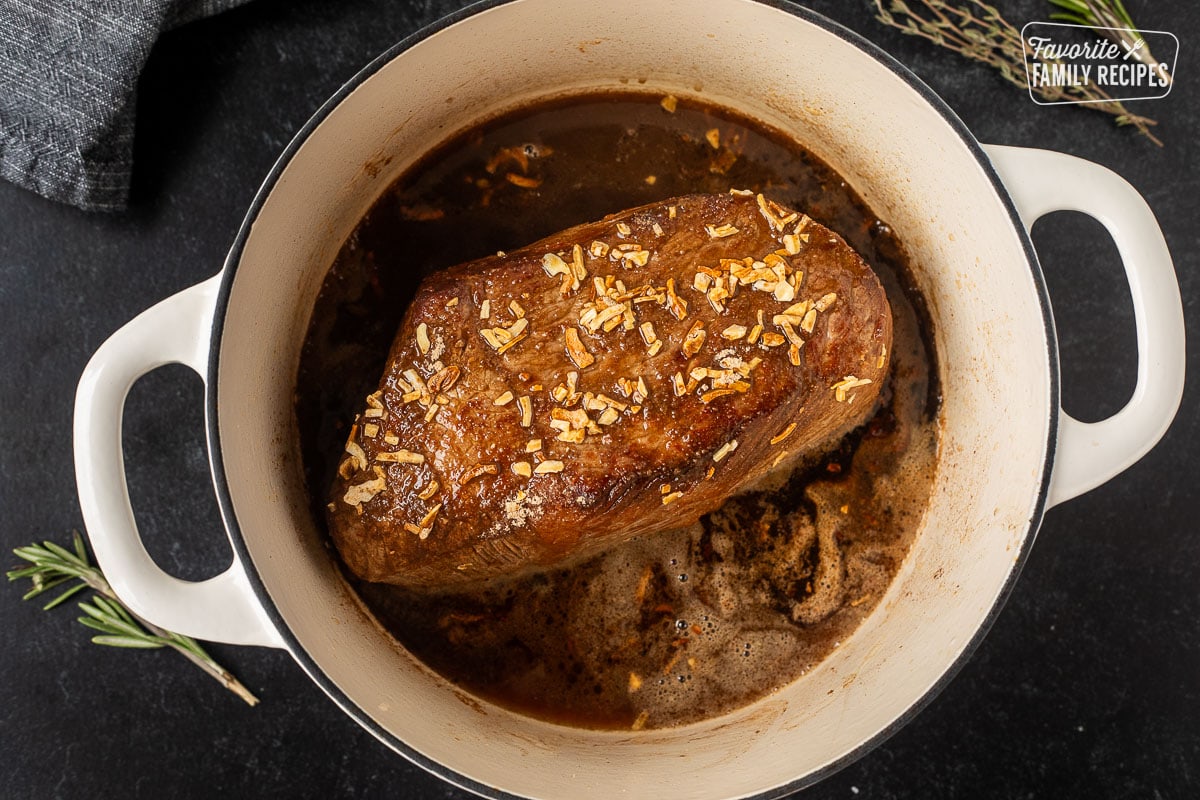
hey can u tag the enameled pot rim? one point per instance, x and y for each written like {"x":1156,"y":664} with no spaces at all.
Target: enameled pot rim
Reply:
{"x":220,"y":482}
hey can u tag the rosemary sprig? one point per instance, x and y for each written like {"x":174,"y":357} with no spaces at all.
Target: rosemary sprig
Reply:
{"x":1108,"y":18}
{"x":1094,"y":13}
{"x":977,"y":31}
{"x":52,"y":566}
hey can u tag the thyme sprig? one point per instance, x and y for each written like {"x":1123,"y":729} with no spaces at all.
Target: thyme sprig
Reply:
{"x":976,"y":30}
{"x":52,"y":566}
{"x":1108,"y":18}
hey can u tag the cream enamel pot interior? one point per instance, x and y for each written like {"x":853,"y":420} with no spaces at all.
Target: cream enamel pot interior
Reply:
{"x":1007,"y":451}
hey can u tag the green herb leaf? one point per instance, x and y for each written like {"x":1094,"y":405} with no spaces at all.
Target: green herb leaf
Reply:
{"x":79,"y":587}
{"x":127,"y":641}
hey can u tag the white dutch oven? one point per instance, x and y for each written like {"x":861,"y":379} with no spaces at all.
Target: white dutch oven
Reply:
{"x":1007,"y":451}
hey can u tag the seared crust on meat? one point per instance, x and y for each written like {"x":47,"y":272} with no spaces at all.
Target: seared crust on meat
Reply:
{"x":617,"y":378}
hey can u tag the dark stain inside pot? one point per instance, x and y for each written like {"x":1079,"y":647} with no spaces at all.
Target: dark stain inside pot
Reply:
{"x":687,"y":624}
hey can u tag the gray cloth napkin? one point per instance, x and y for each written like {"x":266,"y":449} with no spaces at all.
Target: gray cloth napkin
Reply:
{"x":68,"y":80}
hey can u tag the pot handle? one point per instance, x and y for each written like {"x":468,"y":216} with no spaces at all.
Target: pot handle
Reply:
{"x":1089,"y":453}
{"x":220,"y":609}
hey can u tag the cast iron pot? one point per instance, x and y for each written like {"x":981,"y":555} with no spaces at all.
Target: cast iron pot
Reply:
{"x":1007,"y":452}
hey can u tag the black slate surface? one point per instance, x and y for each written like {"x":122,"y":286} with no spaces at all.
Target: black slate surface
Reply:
{"x":1088,"y":684}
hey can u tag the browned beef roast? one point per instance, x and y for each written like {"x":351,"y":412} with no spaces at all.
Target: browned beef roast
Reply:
{"x":617,"y":378}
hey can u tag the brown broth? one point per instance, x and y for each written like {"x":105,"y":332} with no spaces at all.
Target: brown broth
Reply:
{"x":686,"y":624}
